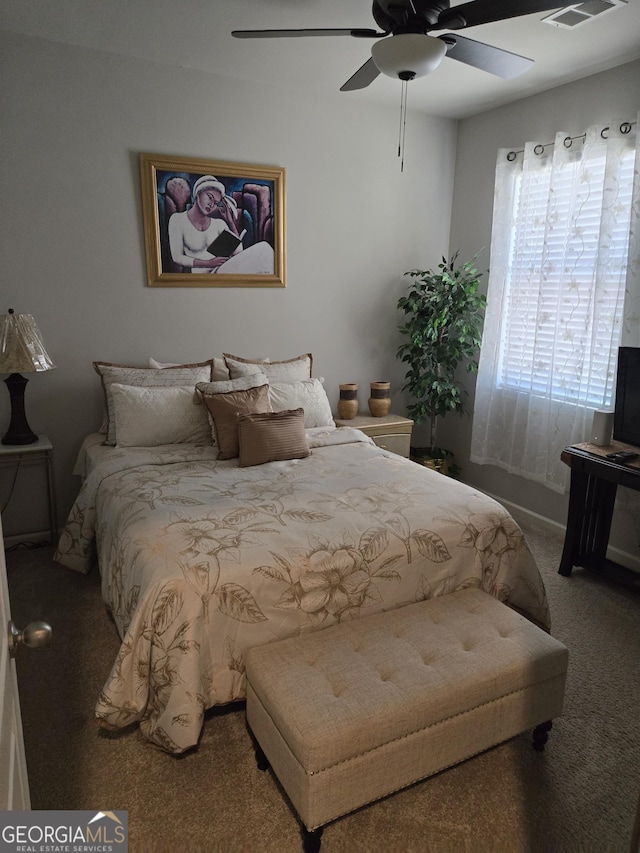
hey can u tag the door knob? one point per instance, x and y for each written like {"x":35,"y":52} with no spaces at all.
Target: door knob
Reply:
{"x":34,"y":635}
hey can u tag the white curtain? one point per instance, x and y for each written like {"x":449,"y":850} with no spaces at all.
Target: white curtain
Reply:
{"x":563,"y":294}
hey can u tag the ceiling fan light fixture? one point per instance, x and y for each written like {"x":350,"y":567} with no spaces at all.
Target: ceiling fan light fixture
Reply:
{"x":408,"y":55}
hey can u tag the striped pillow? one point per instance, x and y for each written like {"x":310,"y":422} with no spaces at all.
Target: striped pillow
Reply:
{"x":271,"y":437}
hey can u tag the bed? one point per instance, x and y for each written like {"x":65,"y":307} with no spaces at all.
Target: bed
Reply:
{"x":203,"y":557}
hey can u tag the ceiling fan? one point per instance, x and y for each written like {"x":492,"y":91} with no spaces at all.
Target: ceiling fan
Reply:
{"x":405,"y":50}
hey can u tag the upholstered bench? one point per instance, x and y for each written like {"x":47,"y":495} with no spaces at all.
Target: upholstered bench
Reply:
{"x":349,"y":714}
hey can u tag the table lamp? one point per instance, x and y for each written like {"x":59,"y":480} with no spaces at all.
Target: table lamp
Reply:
{"x":21,"y":351}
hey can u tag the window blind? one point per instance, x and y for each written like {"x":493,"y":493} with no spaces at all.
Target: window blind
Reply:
{"x":560,"y":332}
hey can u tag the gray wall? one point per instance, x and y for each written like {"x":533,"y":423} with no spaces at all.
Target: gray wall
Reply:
{"x":73,"y":124}
{"x":596,"y":100}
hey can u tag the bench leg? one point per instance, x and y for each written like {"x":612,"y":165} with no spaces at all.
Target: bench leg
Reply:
{"x":261,"y":759}
{"x":540,"y":735}
{"x":311,"y":839}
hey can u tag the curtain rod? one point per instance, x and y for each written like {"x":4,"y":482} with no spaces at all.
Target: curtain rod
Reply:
{"x":625,"y":127}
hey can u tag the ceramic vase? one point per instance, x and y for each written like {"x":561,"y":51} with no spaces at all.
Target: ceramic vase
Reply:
{"x":380,"y":399}
{"x":348,"y":402}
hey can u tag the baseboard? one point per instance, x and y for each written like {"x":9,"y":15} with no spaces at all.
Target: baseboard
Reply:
{"x":542,"y":519}
{"x":35,"y":539}
{"x":623,"y":557}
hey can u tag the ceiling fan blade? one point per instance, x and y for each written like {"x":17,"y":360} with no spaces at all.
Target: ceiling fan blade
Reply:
{"x":496,"y":61}
{"x":366,"y":74}
{"x":277,"y":34}
{"x":485,"y":11}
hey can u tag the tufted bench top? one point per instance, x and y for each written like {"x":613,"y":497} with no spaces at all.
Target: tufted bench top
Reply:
{"x":348,"y":689}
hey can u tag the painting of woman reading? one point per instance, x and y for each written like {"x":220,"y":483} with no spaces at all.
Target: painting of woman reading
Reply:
{"x":225,"y":226}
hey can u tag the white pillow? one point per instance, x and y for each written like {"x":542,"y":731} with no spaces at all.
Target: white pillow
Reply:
{"x":147,"y":417}
{"x":220,"y":369}
{"x":307,"y":394}
{"x":147,"y":377}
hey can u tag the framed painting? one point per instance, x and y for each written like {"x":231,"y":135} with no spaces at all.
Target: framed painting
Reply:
{"x":209,"y":223}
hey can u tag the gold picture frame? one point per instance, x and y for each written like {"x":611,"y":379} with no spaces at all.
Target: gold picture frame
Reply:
{"x":211,"y":197}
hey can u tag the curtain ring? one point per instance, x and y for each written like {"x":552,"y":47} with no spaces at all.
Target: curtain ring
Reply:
{"x":511,"y":156}
{"x":625,"y":127}
{"x":539,"y":149}
{"x":603,"y":132}
{"x":568,"y":141}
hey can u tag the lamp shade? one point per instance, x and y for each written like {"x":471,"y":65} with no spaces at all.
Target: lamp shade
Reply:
{"x":408,"y":55}
{"x":21,"y":351}
{"x":21,"y":346}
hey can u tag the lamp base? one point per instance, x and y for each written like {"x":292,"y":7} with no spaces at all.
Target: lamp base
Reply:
{"x":28,"y":438}
{"x":19,"y":431}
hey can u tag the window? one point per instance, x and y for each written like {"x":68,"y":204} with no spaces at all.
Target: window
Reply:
{"x":563,"y":286}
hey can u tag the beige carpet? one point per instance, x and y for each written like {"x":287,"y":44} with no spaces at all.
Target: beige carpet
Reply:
{"x":579,"y":795}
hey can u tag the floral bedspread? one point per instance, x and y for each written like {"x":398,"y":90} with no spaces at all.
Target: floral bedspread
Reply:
{"x":200,"y":560}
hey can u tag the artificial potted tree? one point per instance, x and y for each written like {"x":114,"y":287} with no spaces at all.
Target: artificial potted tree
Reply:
{"x":443,"y":313}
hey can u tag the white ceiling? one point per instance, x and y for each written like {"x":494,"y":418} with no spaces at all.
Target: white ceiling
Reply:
{"x":196,"y":34}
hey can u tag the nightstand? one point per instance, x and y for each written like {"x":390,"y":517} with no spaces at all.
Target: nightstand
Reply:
{"x":40,"y":451}
{"x":391,"y":432}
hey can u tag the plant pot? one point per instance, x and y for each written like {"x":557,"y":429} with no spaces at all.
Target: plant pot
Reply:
{"x":348,"y":402}
{"x":380,"y":399}
{"x":435,"y":458}
{"x":439,"y":465}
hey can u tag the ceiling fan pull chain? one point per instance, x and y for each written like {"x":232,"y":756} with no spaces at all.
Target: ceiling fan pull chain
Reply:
{"x":400,"y":124}
{"x":403,"y":123}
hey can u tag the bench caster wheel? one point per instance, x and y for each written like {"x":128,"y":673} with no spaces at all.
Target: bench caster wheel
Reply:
{"x":540,"y":735}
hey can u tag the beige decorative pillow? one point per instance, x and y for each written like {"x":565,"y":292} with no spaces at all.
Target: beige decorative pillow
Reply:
{"x":147,"y":417}
{"x":147,"y":377}
{"x":276,"y":371}
{"x":223,"y":405}
{"x":243,"y":383}
{"x":271,"y":437}
{"x":222,"y":386}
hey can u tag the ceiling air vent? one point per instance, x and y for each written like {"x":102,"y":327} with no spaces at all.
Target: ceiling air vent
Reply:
{"x":580,"y":13}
